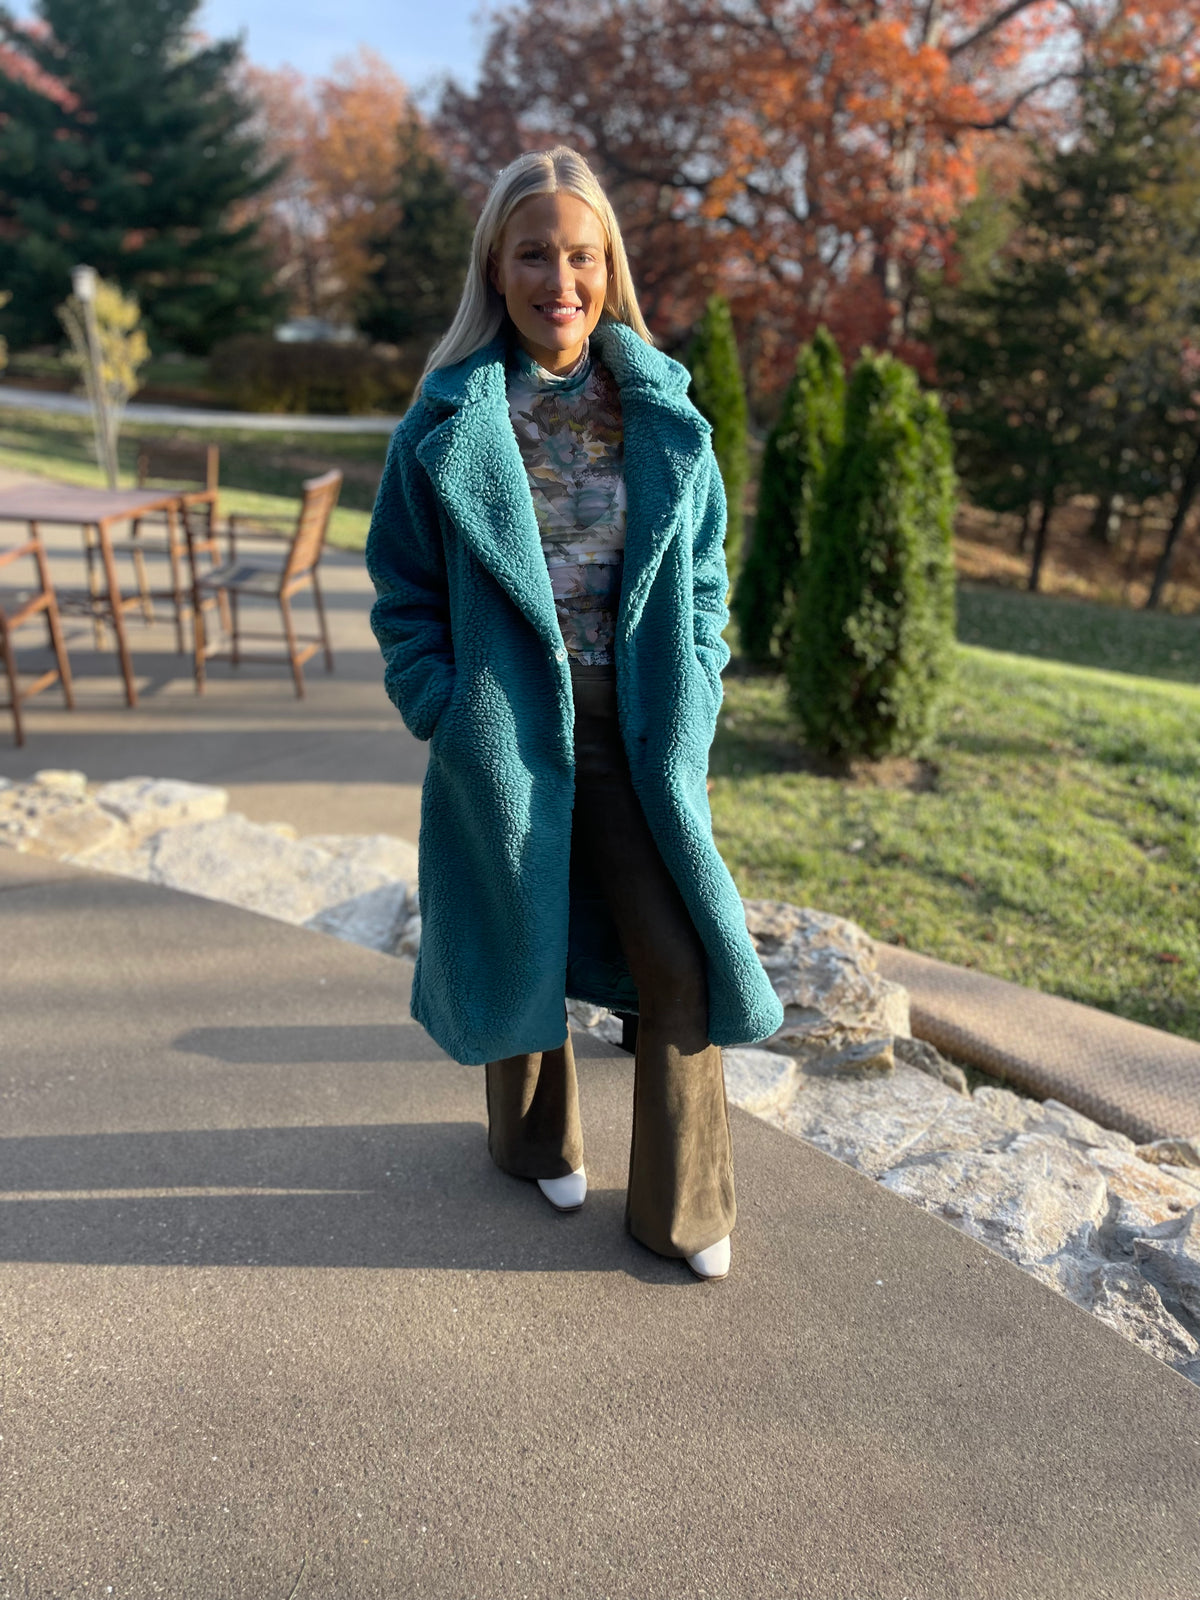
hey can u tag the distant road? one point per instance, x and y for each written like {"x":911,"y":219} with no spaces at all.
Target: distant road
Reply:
{"x":187,"y":417}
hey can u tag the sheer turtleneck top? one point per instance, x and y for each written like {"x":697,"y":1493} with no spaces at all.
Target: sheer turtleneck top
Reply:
{"x":569,"y":429}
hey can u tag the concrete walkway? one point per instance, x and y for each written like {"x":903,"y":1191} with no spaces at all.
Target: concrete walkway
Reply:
{"x":195,"y":416}
{"x":275,"y":1326}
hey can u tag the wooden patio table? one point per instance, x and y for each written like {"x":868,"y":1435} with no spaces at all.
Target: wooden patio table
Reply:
{"x":95,"y":511}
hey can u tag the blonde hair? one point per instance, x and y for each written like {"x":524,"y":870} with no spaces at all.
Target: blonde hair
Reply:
{"x":481,"y":310}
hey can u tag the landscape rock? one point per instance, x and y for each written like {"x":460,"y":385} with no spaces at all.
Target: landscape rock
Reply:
{"x":585,"y":1015}
{"x":823,"y":970}
{"x":374,"y":920}
{"x":875,"y":1124}
{"x":922,"y":1055}
{"x":1030,"y":1200}
{"x":1023,"y":1115}
{"x":1119,"y":1296}
{"x":145,"y":805}
{"x":760,"y":1081}
{"x":1172,"y":1152}
{"x":60,"y":780}
{"x":267,"y":869}
{"x":1142,"y":1194}
{"x":409,"y":940}
{"x":57,"y":819}
{"x":1169,"y":1255}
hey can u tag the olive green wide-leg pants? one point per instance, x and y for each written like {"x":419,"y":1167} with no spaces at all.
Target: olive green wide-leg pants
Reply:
{"x":680,"y":1197}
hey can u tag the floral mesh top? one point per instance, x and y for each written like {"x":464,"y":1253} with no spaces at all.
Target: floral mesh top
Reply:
{"x":571,"y":436}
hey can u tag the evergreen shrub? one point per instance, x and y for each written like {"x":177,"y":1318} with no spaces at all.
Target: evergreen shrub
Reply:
{"x":808,"y":429}
{"x":259,"y":373}
{"x":874,"y":626}
{"x":719,"y":393}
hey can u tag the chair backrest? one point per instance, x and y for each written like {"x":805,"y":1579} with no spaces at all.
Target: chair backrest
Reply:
{"x":165,"y":461}
{"x":316,"y":508}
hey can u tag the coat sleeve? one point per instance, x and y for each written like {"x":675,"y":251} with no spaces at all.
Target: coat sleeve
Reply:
{"x":406,"y":562}
{"x":710,"y":578}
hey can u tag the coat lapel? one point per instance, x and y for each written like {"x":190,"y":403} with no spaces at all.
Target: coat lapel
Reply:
{"x":666,"y":439}
{"x":475,"y":465}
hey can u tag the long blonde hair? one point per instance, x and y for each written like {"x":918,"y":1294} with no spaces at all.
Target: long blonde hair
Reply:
{"x":481,"y":310}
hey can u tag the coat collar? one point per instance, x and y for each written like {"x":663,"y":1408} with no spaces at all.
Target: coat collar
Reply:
{"x":474,"y":462}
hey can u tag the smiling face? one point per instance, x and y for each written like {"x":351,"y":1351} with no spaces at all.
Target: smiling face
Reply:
{"x":550,"y":266}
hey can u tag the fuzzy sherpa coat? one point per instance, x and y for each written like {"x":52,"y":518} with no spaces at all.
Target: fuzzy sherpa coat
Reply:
{"x":475,"y":663}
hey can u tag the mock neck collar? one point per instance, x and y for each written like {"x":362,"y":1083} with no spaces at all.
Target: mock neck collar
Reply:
{"x":538,"y":377}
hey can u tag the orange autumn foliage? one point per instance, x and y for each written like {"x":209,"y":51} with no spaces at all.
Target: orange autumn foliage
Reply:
{"x":339,"y":137}
{"x":806,"y":158}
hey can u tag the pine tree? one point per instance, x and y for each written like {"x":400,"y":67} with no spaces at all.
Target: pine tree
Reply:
{"x":1061,"y":371}
{"x":809,"y":427}
{"x":125,"y":146}
{"x":875,"y":616}
{"x":719,"y":393}
{"x":414,"y":287}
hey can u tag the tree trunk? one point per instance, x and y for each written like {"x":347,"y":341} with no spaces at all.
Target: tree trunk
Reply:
{"x":1187,"y":494}
{"x":1106,"y":524}
{"x":1039,"y":540}
{"x":1023,"y":531}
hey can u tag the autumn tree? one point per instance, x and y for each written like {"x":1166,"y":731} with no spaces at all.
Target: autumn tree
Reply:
{"x":336,"y":139}
{"x":802,"y":157}
{"x":126,"y":145}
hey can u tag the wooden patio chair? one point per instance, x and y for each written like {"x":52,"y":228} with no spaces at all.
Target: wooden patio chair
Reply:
{"x":280,"y":580}
{"x":195,"y":469}
{"x":18,"y":609}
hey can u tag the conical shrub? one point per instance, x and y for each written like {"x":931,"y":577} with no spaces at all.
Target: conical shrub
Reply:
{"x":719,"y":393}
{"x":874,"y":620}
{"x":798,"y":447}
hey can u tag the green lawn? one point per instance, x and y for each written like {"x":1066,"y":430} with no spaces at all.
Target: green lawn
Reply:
{"x":260,"y":472}
{"x":1151,"y":644}
{"x":1057,"y":843}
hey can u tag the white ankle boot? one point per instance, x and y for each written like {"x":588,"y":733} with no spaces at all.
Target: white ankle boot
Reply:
{"x":712,"y":1262}
{"x":565,"y":1194}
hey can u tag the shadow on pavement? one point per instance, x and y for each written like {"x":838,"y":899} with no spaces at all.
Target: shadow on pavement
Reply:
{"x":420,"y":1195}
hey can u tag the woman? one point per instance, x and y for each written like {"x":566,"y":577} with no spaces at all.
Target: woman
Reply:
{"x":547,"y":550}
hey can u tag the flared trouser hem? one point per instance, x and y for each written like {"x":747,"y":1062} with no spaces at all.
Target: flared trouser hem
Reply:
{"x":680,"y":1196}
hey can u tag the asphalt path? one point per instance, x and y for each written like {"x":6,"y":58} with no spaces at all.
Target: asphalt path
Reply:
{"x":274,"y":1326}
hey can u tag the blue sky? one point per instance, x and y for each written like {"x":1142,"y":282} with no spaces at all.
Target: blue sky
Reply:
{"x":420,"y":41}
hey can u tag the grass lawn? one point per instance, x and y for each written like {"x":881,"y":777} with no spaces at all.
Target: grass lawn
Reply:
{"x":260,"y":472}
{"x":1151,"y":644}
{"x":1050,"y":836}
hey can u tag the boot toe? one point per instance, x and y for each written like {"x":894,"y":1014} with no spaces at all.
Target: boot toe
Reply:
{"x":565,"y":1194}
{"x":712,"y":1262}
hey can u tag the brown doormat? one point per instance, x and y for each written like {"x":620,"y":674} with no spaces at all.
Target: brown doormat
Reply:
{"x":1136,"y":1079}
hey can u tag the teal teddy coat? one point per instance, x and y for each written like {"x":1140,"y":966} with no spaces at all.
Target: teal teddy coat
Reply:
{"x":475,"y":663}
